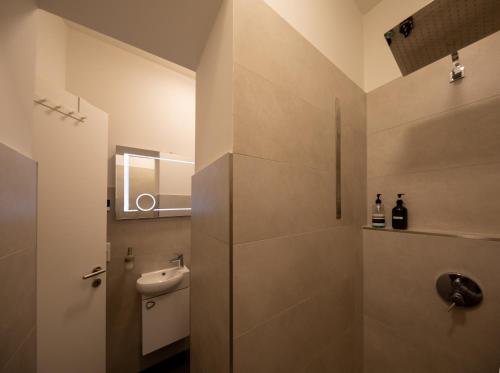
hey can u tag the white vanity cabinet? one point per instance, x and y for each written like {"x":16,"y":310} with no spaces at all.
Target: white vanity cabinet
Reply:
{"x":165,"y":319}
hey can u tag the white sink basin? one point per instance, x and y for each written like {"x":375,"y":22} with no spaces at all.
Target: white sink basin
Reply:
{"x":163,"y":281}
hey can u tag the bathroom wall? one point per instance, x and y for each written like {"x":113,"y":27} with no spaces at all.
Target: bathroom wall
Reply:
{"x":154,"y":243}
{"x":151,"y":103}
{"x":51,"y":48}
{"x":17,"y":73}
{"x":211,"y":298}
{"x":407,"y":327}
{"x":440,"y":143}
{"x":214,"y":91}
{"x":18,"y":177}
{"x":296,"y":268}
{"x":211,"y":249}
{"x":334,"y":27}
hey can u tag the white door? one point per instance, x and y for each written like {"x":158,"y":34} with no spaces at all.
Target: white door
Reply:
{"x":72,"y":182}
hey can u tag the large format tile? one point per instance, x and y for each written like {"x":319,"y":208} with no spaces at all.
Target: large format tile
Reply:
{"x":273,"y":199}
{"x":18,"y":201}
{"x":468,"y":135}
{"x":387,"y":350}
{"x":18,"y":299}
{"x":272,"y":123}
{"x":266,"y":44}
{"x":275,"y":274}
{"x":288,"y":342}
{"x":459,"y":198}
{"x":211,"y":199}
{"x":24,"y":360}
{"x":210,"y":304}
{"x":428,"y":91}
{"x":400,"y":271}
{"x":343,"y":355}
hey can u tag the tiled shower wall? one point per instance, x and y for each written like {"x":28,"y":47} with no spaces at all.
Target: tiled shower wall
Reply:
{"x":407,"y":326}
{"x":276,"y":284}
{"x":296,"y":268}
{"x":17,"y":262}
{"x":440,"y":144}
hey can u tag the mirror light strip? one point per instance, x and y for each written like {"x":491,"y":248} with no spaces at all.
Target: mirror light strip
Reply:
{"x":159,"y":158}
{"x":126,"y":185}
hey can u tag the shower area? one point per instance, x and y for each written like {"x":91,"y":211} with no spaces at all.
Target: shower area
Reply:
{"x":287,"y":273}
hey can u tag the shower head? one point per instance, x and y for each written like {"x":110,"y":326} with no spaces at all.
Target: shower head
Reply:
{"x":440,"y":29}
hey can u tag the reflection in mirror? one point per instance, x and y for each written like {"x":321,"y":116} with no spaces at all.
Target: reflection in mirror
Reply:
{"x":150,"y":184}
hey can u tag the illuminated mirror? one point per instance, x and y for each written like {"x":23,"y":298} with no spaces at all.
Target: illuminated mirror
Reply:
{"x":152,"y":184}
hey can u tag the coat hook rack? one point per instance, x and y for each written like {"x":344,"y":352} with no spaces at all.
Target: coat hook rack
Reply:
{"x":59,"y":109}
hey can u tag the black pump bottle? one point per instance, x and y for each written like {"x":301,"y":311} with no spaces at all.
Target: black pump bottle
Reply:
{"x":400,"y":214}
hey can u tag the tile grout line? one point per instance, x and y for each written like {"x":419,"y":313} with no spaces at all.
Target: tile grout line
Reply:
{"x":289,"y":163}
{"x":316,"y":230}
{"x":283,"y":88}
{"x":23,"y":342}
{"x":413,"y":121}
{"x":13,"y":253}
{"x":434,"y":170}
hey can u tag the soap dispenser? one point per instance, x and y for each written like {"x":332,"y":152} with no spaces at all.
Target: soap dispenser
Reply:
{"x":378,"y":213}
{"x":400,"y":214}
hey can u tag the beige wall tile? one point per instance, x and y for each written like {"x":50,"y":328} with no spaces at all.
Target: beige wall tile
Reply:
{"x":266,"y":44}
{"x":387,"y":350}
{"x":428,"y":91}
{"x":24,"y":360}
{"x":18,"y":292}
{"x":210,"y":268}
{"x":272,"y":123}
{"x":273,"y":199}
{"x":467,"y":135}
{"x":460,"y":198}
{"x":288,"y":342}
{"x":210,"y":304}
{"x":400,"y":271}
{"x":210,"y":196}
{"x":17,"y":201}
{"x":341,"y":355}
{"x":275,"y":274}
{"x":18,"y":175}
{"x":353,"y":172}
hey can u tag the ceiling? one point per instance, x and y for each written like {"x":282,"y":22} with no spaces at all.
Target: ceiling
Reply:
{"x":175,"y":30}
{"x":366,"y":5}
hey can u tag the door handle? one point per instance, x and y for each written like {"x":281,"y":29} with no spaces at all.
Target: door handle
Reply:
{"x":95,"y":272}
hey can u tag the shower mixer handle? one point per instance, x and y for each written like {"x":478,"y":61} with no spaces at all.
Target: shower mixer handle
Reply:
{"x":459,"y":290}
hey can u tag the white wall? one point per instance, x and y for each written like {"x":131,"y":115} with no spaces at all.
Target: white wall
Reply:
{"x":151,"y":104}
{"x":379,"y":64}
{"x":51,"y":45}
{"x":17,"y":73}
{"x":214,"y":91}
{"x":335,"y":27}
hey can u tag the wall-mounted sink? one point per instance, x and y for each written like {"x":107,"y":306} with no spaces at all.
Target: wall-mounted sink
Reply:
{"x":163,"y":281}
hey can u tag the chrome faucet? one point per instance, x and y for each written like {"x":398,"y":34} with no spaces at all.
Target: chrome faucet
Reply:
{"x":178,"y":258}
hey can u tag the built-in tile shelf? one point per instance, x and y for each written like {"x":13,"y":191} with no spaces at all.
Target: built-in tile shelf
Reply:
{"x":443,"y":233}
